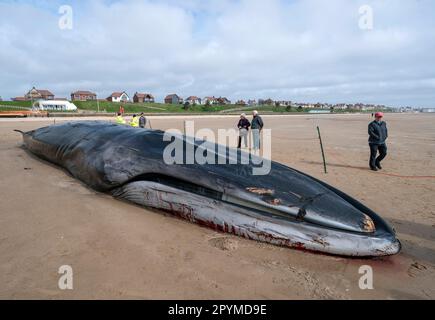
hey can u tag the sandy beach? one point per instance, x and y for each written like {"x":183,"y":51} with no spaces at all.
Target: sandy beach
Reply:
{"x":122,"y":251}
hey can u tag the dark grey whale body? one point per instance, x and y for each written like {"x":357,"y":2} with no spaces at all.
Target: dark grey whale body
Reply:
{"x":284,"y":207}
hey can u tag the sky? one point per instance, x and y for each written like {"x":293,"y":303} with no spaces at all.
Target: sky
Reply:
{"x":335,"y":51}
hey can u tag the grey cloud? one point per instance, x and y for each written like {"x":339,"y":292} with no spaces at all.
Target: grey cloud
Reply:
{"x":309,"y":50}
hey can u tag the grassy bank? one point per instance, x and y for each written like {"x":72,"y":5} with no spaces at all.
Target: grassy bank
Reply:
{"x":6,"y":106}
{"x":112,"y":107}
{"x":11,"y":108}
{"x":147,"y":107}
{"x":27,"y":104}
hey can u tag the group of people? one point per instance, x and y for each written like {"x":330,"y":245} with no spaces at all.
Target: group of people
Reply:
{"x":377,"y":130}
{"x":136,"y":122}
{"x":256,"y":125}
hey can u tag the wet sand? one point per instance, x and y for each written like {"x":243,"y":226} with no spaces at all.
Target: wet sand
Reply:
{"x":119,"y":250}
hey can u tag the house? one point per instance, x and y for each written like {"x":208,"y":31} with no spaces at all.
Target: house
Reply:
{"x":406,"y":109}
{"x":19,"y":99}
{"x":209,"y":100}
{"x":320,"y":105}
{"x":38,"y":94}
{"x":342,"y":106}
{"x":143,"y":98}
{"x":283,"y":103}
{"x":223,"y":101}
{"x":241,"y":103}
{"x":194,"y":100}
{"x":268,"y":102}
{"x":119,"y":97}
{"x":252,"y":102}
{"x":83,"y":96}
{"x":368,"y":107}
{"x":303,"y":105}
{"x":173,"y":99}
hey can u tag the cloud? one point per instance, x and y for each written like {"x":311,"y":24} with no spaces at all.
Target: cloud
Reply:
{"x":302,"y":50}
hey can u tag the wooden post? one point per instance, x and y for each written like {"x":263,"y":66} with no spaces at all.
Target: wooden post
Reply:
{"x":321,"y":148}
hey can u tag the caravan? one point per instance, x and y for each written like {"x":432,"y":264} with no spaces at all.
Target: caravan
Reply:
{"x":54,"y":105}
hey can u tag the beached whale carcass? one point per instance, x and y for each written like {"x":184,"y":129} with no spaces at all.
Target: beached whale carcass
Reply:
{"x":285,"y":207}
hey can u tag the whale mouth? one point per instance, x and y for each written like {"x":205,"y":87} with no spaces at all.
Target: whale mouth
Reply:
{"x":259,"y":200}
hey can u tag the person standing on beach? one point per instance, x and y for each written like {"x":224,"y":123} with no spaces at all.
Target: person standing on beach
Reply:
{"x":243,"y":126}
{"x":378,"y":134}
{"x":134,"y":122}
{"x":119,"y":119}
{"x":256,"y":126}
{"x":142,"y":121}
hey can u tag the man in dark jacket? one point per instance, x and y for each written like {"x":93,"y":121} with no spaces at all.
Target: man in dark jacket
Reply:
{"x":142,"y":121}
{"x":256,"y":127}
{"x":378,"y":134}
{"x":243,"y":126}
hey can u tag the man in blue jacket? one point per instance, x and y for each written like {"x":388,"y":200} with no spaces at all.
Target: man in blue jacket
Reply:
{"x":378,"y":134}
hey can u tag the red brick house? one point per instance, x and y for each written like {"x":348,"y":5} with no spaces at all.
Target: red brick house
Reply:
{"x":83,"y":96}
{"x":19,"y":99}
{"x":223,"y":101}
{"x":143,"y":98}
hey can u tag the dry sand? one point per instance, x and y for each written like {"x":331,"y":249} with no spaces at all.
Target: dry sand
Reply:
{"x":119,"y":250}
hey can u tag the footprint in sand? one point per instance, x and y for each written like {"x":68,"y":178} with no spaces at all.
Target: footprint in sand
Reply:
{"x":189,"y":255}
{"x":416,"y":269}
{"x":224,"y":243}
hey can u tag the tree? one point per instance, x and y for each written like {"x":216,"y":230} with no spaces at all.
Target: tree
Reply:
{"x":300,"y":109}
{"x":288,"y":108}
{"x":186,"y":105}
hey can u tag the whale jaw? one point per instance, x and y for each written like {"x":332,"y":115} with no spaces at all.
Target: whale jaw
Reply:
{"x":253,"y":223}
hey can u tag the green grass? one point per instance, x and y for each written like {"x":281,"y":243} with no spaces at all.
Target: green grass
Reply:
{"x":170,"y":108}
{"x":148,"y":107}
{"x":27,"y":104}
{"x":2,"y":108}
{"x":19,"y":104}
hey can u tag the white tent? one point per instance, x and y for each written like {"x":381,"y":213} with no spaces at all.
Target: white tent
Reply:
{"x":54,"y":105}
